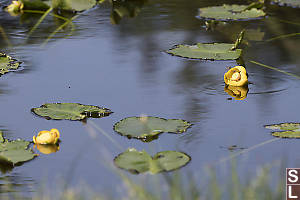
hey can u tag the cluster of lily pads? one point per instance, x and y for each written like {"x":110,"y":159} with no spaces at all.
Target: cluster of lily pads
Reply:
{"x":145,"y":128}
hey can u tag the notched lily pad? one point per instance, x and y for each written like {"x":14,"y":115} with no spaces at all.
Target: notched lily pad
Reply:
{"x":230,"y":12}
{"x":15,"y":152}
{"x":292,"y":3}
{"x":289,"y":130}
{"x":140,"y":161}
{"x":206,"y":51}
{"x":7,"y":64}
{"x":147,"y":127}
{"x":70,"y":111}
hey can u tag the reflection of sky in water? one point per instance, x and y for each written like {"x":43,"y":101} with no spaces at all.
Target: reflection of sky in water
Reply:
{"x":123,"y":67}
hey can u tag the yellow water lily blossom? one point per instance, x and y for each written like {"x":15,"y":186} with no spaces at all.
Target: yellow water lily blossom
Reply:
{"x":15,"y":8}
{"x":47,"y":148}
{"x":236,"y":76}
{"x":238,"y":92}
{"x":47,"y":137}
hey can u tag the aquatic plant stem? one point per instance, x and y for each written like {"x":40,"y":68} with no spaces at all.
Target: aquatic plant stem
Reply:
{"x":5,"y":36}
{"x":39,"y":22}
{"x":106,"y":135}
{"x":59,"y":28}
{"x":282,"y":36}
{"x":43,"y":12}
{"x":247,"y":150}
{"x":274,"y":68}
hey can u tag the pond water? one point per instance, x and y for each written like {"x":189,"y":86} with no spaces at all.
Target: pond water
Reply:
{"x":123,"y":67}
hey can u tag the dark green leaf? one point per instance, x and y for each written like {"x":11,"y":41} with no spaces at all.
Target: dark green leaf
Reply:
{"x":71,"y":111}
{"x":214,"y":51}
{"x":140,"y":161}
{"x":148,"y":127}
{"x":7,"y":64}
{"x":230,"y":12}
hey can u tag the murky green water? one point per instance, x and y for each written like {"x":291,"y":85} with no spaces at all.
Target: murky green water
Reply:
{"x":123,"y":67}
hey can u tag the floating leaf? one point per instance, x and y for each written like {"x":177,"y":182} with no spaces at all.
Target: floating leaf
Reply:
{"x":149,"y":127}
{"x":230,"y":12}
{"x":36,"y":4}
{"x":284,"y":126}
{"x":15,"y":151}
{"x":7,"y":64}
{"x":140,"y":161}
{"x":287,"y":134}
{"x":290,"y":130}
{"x":73,"y":5}
{"x":71,"y":111}
{"x":206,"y":51}
{"x":292,"y":3}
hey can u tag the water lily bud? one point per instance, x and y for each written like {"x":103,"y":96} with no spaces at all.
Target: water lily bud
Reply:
{"x":47,"y":137}
{"x":236,"y":76}
{"x":15,"y":7}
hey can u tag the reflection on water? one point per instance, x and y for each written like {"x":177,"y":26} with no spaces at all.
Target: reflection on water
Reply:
{"x":124,"y":67}
{"x":14,"y":185}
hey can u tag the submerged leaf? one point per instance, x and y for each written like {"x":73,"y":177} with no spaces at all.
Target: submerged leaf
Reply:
{"x":230,"y":12}
{"x":7,"y":64}
{"x":292,"y":3}
{"x":290,"y":130}
{"x":149,"y":127}
{"x":140,"y":161}
{"x":70,"y":111}
{"x":207,"y":51}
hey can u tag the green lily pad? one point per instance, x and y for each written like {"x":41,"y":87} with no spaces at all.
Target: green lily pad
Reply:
{"x":292,"y":3}
{"x":149,"y":127}
{"x":289,"y":130}
{"x":67,"y":5}
{"x":287,"y":134}
{"x":284,"y":126}
{"x":207,"y":51}
{"x":7,"y":64}
{"x":230,"y":12}
{"x":73,"y":5}
{"x":70,"y":111}
{"x":15,"y":152}
{"x":140,"y":161}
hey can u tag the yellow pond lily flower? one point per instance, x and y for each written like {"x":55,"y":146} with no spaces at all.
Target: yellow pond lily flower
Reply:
{"x":47,"y":137}
{"x":47,"y":148}
{"x":15,"y":8}
{"x":236,"y":76}
{"x":239,"y":93}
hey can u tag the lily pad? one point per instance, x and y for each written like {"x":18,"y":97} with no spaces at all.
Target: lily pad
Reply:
{"x":292,"y":3}
{"x":70,"y":111}
{"x":289,"y":130}
{"x":140,"y":161}
{"x":207,"y":51}
{"x":149,"y":127}
{"x":7,"y":64}
{"x":230,"y":12}
{"x":15,"y":152}
{"x":284,"y":126}
{"x":73,"y":5}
